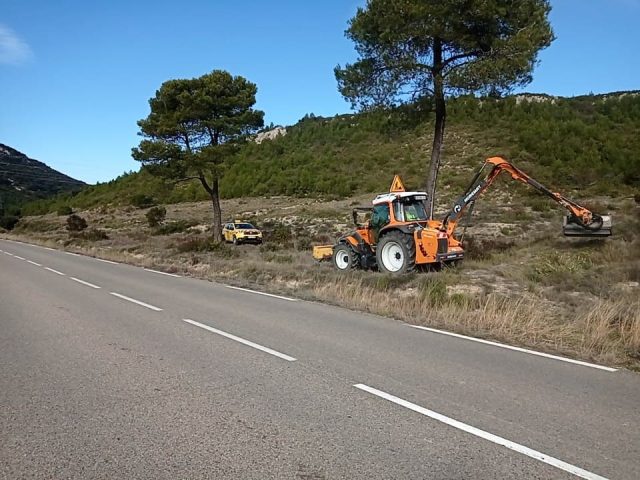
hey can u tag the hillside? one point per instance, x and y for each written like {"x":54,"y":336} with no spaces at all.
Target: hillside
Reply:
{"x":23,"y":179}
{"x":590,"y":143}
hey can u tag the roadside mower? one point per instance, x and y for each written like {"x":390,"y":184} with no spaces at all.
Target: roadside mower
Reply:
{"x":400,"y":236}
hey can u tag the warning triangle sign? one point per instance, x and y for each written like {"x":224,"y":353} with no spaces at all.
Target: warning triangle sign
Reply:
{"x":397,"y":185}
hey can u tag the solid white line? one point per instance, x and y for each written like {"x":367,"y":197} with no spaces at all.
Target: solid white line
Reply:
{"x":84,"y":283}
{"x":242,"y":340}
{"x":106,"y":261}
{"x":162,"y":273}
{"x":263,"y":293}
{"x":138,"y":302}
{"x":47,"y":248}
{"x":19,"y":258}
{"x":54,"y":271}
{"x":567,"y":467}
{"x":74,"y":254}
{"x":517,"y":349}
{"x":34,"y":263}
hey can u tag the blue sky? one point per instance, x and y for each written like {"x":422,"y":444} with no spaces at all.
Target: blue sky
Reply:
{"x":75,"y":76}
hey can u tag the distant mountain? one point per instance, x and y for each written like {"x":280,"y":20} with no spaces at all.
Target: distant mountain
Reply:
{"x":23,"y":179}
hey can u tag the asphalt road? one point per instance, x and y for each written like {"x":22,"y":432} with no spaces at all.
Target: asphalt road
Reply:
{"x":102,"y":376}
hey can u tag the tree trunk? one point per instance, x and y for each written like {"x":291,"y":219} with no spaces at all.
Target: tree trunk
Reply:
{"x":214,"y":192}
{"x":217,"y":212}
{"x":438,"y":134}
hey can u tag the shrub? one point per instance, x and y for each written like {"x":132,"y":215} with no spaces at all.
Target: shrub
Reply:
{"x":141,"y":200}
{"x":76,"y":223}
{"x":93,"y":235}
{"x":64,"y":210}
{"x":433,"y":291}
{"x":8,"y":222}
{"x":281,"y":234}
{"x":175,"y":227}
{"x":200,"y":244}
{"x":156,"y":215}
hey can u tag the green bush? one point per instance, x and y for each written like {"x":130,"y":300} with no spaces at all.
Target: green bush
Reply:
{"x":8,"y":222}
{"x":141,"y":200}
{"x":76,"y":223}
{"x":280,"y":234}
{"x":175,"y":227}
{"x":156,"y":215}
{"x":64,"y":210}
{"x":93,"y":235}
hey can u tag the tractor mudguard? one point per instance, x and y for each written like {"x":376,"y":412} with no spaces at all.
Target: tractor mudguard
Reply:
{"x":365,"y":253}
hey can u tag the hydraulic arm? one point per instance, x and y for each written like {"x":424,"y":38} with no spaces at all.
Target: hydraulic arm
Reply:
{"x":580,"y":221}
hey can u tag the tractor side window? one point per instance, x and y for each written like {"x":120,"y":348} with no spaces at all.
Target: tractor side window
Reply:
{"x":379,"y":218}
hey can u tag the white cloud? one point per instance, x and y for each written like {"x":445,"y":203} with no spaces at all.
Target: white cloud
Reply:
{"x":13,"y":50}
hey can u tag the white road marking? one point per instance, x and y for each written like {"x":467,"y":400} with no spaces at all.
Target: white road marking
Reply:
{"x":241,"y":340}
{"x":74,"y":254}
{"x":54,"y":271}
{"x":106,"y":261}
{"x":34,"y":263}
{"x":10,"y":254}
{"x":263,"y":293}
{"x":138,"y":302}
{"x":49,"y":248}
{"x":162,"y":273}
{"x":517,"y":349}
{"x":19,"y":257}
{"x":84,"y":283}
{"x":567,"y":467}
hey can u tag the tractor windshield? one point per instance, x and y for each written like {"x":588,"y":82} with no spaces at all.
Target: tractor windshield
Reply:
{"x":409,"y":210}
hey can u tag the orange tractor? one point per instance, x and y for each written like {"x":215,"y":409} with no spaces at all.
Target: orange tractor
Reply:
{"x":400,"y":236}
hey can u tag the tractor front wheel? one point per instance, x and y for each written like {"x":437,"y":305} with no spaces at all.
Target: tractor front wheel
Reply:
{"x":344,"y":258}
{"x":396,"y":253}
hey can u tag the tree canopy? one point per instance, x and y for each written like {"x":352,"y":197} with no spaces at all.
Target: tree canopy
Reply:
{"x":195,"y":127}
{"x":411,"y":50}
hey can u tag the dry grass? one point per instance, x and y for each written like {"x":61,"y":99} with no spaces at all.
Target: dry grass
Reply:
{"x":524,"y":285}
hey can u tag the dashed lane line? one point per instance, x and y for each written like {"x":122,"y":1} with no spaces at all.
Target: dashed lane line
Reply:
{"x":542,"y":457}
{"x":137,"y":302}
{"x":84,"y":283}
{"x":34,"y":263}
{"x":54,"y":271}
{"x":241,"y":340}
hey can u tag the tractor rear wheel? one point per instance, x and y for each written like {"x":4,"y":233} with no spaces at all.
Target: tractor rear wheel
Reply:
{"x":344,"y":258}
{"x":396,"y":253}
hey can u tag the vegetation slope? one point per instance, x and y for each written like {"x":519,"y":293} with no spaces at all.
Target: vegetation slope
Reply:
{"x":591,"y":143}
